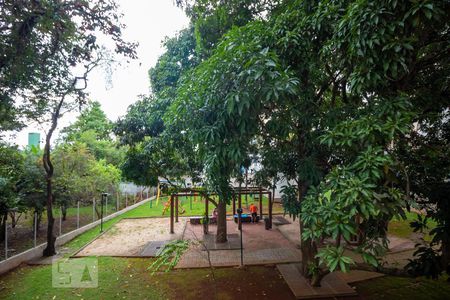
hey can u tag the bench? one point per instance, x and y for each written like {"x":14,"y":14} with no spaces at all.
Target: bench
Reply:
{"x":198,"y":220}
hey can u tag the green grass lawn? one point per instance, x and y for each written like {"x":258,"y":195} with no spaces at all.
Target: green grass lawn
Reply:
{"x":401,"y":228}
{"x":128,"y":278}
{"x":193,"y":207}
{"x":390,"y":287}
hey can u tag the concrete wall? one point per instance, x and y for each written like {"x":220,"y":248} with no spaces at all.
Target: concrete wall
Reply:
{"x":36,"y":252}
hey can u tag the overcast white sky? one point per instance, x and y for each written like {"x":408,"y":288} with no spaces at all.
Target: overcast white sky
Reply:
{"x":148,"y":22}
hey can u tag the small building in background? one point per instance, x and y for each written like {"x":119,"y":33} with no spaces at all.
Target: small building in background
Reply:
{"x":34,"y":140}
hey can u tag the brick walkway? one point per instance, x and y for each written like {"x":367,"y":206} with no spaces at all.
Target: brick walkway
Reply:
{"x":260,"y":247}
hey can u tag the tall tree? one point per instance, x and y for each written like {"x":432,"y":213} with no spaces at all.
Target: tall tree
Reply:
{"x":386,"y":65}
{"x":156,"y":150}
{"x":42,"y":43}
{"x":11,"y":170}
{"x":91,"y":118}
{"x":221,"y":109}
{"x":93,"y":129}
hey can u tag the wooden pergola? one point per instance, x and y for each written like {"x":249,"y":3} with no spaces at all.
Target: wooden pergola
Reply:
{"x":237,"y":193}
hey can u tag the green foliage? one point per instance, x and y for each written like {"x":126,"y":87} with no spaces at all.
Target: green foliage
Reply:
{"x":342,"y":98}
{"x":11,"y":170}
{"x":32,"y":183}
{"x":93,"y":129}
{"x":427,"y":263}
{"x":213,"y":19}
{"x":169,"y":256}
{"x":154,"y":149}
{"x":334,"y":258}
{"x":79,"y":176}
{"x":420,"y":224}
{"x":41,"y":42}
{"x":91,"y":119}
{"x":180,"y":56}
{"x":233,"y":84}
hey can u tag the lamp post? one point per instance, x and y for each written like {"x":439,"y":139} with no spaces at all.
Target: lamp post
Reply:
{"x":239,"y":211}
{"x":104,"y":197}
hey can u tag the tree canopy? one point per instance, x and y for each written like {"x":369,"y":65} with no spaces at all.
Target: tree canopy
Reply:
{"x":336,"y":96}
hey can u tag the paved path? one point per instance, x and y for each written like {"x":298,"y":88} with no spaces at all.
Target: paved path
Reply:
{"x":261,"y":247}
{"x":331,"y":286}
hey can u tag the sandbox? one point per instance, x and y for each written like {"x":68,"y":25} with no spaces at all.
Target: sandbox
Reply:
{"x":129,"y":237}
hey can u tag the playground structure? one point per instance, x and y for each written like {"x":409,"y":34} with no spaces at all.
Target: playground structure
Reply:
{"x":238,"y":192}
{"x":180,"y":208}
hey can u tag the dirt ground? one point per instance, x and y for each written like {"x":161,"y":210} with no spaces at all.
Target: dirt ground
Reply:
{"x":129,"y":237}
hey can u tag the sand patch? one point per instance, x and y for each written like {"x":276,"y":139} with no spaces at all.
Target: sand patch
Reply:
{"x":129,"y":237}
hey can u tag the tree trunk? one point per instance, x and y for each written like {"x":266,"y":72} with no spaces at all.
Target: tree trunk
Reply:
{"x":221,"y":236}
{"x":50,"y":249}
{"x":308,"y":247}
{"x":309,"y":252}
{"x":48,"y":167}
{"x":317,"y":277}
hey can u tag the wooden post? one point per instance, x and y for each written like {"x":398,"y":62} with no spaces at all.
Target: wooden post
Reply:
{"x":246,"y":186}
{"x":260,"y":204}
{"x":234,"y":204}
{"x":206,"y":206}
{"x":239,"y":196}
{"x":270,"y":209}
{"x":176,"y":208}
{"x":171,"y":215}
{"x":207,"y":214}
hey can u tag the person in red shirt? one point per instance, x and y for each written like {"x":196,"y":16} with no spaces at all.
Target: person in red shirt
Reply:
{"x":254,"y":212}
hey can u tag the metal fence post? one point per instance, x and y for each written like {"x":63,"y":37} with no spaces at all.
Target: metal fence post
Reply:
{"x":78,"y":214}
{"x":35,"y":228}
{"x":6,"y":236}
{"x":60,"y":220}
{"x":93,"y":210}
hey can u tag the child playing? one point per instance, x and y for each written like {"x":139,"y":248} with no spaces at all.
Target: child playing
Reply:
{"x":254,"y":212}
